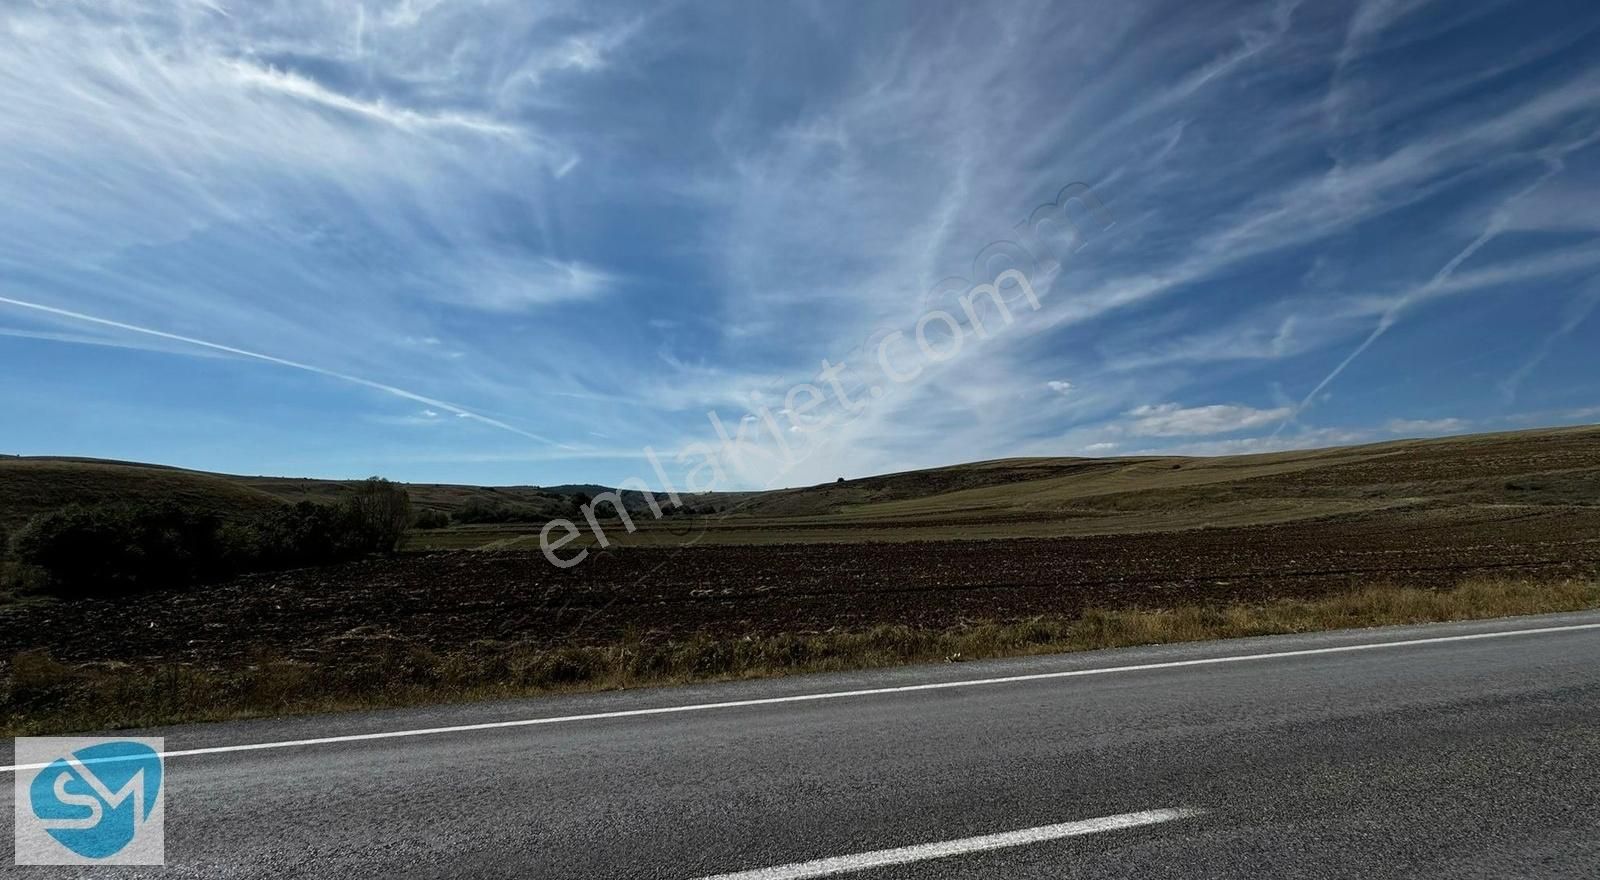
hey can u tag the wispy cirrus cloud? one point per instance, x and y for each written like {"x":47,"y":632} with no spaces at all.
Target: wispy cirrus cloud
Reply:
{"x":617,"y":218}
{"x":1426,"y":427}
{"x":1173,"y":420}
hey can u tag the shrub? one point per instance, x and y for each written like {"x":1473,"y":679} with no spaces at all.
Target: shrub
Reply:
{"x":477,"y":510}
{"x":302,"y":535}
{"x":577,"y":503}
{"x":431,"y":519}
{"x":109,"y":549}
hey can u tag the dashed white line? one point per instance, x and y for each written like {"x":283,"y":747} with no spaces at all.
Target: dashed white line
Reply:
{"x":885,"y":857}
{"x":839,"y":695}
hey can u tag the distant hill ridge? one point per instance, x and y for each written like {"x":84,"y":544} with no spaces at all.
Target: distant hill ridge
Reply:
{"x":1549,"y":466}
{"x":30,"y":485}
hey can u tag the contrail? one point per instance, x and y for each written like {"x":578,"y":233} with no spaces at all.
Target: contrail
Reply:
{"x":1578,"y":312}
{"x":460,"y":411}
{"x":1391,"y":315}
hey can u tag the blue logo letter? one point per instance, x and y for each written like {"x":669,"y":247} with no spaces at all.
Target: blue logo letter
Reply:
{"x":94,"y":801}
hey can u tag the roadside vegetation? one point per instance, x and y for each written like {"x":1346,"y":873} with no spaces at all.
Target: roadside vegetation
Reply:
{"x":40,"y":695}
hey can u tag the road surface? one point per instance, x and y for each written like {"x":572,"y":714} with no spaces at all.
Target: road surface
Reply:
{"x":1460,"y":750}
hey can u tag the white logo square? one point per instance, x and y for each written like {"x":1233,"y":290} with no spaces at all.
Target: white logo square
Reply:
{"x":89,"y":801}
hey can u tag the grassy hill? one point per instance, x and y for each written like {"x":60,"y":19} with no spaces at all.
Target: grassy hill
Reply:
{"x":1004,"y":498}
{"x":29,"y":486}
{"x":1050,"y":497}
{"x":1559,"y":465}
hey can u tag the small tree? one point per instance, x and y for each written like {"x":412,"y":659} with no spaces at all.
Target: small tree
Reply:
{"x":383,"y":509}
{"x":579,"y":499}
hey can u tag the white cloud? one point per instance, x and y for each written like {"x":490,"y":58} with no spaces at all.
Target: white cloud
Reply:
{"x":1427,"y":426}
{"x":1316,"y":438}
{"x":403,"y":172}
{"x":1173,"y":420}
{"x":512,"y":283}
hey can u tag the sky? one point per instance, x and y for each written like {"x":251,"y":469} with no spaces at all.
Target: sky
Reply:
{"x":736,"y":245}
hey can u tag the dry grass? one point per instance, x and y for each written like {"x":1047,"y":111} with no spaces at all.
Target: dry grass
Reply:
{"x":40,"y":695}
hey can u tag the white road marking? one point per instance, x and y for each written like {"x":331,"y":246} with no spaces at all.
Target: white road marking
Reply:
{"x":839,"y":695}
{"x":884,"y":857}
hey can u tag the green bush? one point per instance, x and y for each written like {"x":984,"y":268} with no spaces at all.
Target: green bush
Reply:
{"x":477,"y":510}
{"x":108,"y":549}
{"x":431,"y":519}
{"x":112,"y":549}
{"x":305,"y":534}
{"x":576,"y":503}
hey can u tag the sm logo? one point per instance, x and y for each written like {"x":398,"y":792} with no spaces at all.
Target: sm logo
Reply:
{"x":89,"y":801}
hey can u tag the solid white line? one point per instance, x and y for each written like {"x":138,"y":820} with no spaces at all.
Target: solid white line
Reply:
{"x":838,"y":695}
{"x":884,"y":857}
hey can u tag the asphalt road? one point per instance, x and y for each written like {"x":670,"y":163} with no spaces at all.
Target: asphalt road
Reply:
{"x":1461,"y":758}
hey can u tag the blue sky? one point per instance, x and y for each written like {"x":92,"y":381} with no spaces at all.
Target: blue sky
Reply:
{"x":521,"y":242}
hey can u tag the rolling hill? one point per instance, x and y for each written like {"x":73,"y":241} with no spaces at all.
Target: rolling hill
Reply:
{"x":1002,"y":498}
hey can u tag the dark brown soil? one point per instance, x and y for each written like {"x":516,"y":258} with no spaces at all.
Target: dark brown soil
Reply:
{"x":448,"y":600}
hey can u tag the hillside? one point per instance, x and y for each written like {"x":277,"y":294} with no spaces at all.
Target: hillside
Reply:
{"x":29,"y":486}
{"x":33,"y":485}
{"x":1483,"y":477}
{"x":1559,"y":466}
{"x":431,"y":496}
{"x":1003,"y":498}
